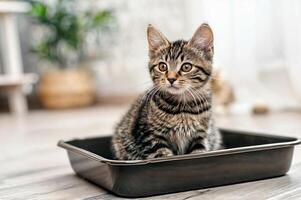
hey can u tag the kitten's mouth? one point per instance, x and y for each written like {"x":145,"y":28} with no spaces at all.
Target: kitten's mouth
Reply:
{"x":173,"y":86}
{"x":174,"y":89}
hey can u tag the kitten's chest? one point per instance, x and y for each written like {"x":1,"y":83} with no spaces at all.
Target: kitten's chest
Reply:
{"x":180,"y":129}
{"x":186,"y":122}
{"x":184,"y":130}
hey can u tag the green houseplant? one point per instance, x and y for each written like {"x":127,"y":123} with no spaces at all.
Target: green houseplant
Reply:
{"x":64,"y":29}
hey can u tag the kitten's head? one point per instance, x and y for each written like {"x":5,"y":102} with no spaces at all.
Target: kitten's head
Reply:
{"x":180,"y":66}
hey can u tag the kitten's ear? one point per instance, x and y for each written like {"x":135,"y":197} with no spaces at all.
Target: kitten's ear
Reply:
{"x":155,"y":39}
{"x":202,"y":38}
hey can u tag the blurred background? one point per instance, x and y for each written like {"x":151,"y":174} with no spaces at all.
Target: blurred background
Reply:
{"x":68,"y":54}
{"x":71,"y":69}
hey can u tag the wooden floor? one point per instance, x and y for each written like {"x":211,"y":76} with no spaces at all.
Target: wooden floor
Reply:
{"x":33,"y":167}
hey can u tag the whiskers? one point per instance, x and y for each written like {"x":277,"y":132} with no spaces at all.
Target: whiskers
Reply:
{"x":189,"y":99}
{"x":199,"y":98}
{"x":151,"y":93}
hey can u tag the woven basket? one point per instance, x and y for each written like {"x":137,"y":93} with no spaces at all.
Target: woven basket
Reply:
{"x":66,"y":89}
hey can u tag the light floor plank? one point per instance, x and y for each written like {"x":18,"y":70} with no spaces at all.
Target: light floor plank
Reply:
{"x":33,"y":167}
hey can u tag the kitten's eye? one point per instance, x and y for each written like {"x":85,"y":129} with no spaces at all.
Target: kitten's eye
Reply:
{"x":186,"y":67}
{"x":162,"y":67}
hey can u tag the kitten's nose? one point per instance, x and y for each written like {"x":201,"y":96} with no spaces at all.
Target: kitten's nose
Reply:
{"x":171,"y":80}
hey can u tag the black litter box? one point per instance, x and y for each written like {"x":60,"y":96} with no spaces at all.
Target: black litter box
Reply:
{"x":248,"y":156}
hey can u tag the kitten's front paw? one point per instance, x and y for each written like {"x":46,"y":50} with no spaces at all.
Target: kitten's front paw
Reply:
{"x":164,"y":152}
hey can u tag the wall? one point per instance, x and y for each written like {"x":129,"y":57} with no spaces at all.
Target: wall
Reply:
{"x":256,"y":45}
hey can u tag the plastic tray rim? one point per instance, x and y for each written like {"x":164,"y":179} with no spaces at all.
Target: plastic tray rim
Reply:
{"x":88,"y":154}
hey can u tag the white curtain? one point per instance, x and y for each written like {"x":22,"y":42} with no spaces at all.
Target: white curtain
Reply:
{"x":292,"y":42}
{"x":257,"y":44}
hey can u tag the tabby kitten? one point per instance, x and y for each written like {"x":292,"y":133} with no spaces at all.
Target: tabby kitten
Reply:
{"x":174,"y":116}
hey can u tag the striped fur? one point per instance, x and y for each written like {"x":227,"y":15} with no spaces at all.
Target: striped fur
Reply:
{"x":172,"y":118}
